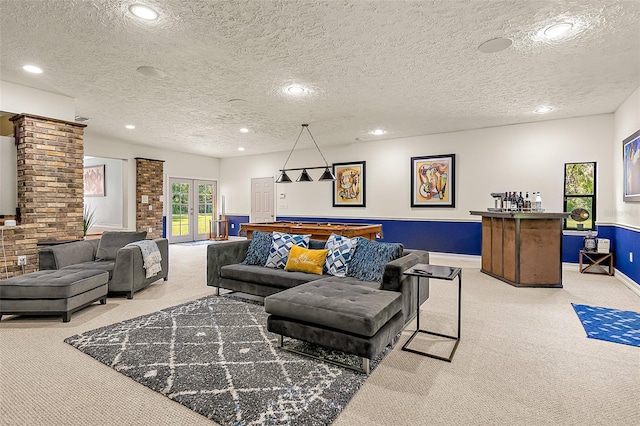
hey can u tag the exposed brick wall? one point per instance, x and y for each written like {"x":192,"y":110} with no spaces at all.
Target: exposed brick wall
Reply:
{"x":149,"y":182}
{"x":19,"y":241}
{"x":50,"y":187}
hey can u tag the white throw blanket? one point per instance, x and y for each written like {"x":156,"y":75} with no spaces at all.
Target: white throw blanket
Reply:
{"x":150,"y":255}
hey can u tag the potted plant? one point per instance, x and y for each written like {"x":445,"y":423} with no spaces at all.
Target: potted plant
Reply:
{"x":88,"y":219}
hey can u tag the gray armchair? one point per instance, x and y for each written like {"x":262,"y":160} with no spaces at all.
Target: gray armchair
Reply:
{"x":124,"y":264}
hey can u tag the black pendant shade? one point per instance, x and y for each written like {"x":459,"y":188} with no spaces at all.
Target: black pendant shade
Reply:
{"x":327,"y":175}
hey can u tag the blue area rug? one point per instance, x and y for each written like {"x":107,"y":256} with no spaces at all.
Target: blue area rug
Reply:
{"x":609,"y":324}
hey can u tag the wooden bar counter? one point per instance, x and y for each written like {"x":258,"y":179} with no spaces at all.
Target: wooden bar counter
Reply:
{"x":523,"y":249}
{"x":318,"y":230}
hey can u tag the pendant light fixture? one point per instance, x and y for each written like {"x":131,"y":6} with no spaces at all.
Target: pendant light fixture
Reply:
{"x":327,"y":175}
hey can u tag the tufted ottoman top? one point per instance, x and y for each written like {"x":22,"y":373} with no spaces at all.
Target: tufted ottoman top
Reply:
{"x":52,"y":284}
{"x":328,"y":302}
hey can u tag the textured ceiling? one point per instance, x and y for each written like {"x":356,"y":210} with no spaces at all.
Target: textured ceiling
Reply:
{"x":409,"y":67}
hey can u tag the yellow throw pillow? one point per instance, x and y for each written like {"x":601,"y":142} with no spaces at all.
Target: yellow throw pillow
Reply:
{"x":305,"y":260}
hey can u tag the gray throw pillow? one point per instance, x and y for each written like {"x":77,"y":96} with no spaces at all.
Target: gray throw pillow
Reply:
{"x":112,"y":241}
{"x":370,"y":258}
{"x":258,"y":250}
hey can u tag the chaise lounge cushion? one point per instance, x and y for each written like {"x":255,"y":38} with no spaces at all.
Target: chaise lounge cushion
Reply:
{"x":112,"y":241}
{"x":332,"y":303}
{"x":51,"y":284}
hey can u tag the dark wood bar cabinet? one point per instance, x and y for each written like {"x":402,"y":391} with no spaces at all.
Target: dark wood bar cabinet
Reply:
{"x":523,"y":249}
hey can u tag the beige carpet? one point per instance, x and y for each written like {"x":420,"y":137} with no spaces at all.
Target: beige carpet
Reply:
{"x":523,"y":360}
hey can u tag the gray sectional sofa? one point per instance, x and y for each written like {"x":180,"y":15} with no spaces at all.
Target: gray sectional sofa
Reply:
{"x":343,"y":313}
{"x":110,"y":253}
{"x":225,"y":270}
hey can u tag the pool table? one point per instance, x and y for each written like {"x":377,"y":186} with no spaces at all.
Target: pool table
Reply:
{"x":318,"y":230}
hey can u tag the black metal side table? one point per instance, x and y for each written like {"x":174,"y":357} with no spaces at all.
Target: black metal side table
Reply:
{"x":422,"y":270}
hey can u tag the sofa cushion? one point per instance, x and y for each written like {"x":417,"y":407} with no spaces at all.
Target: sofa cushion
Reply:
{"x":370,"y":258}
{"x":269,"y":277}
{"x":280,"y":247}
{"x":112,"y":241}
{"x":305,"y":260}
{"x":96,"y":265}
{"x":258,"y":250}
{"x":329,"y":302}
{"x":340,"y":252}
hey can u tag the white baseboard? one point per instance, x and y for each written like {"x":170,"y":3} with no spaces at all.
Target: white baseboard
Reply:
{"x":633,"y":286}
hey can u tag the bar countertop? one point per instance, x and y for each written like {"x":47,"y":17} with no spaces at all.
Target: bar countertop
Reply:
{"x":521,"y":215}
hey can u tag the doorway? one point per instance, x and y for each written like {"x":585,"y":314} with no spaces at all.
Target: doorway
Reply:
{"x":193,"y":207}
{"x":262,"y":200}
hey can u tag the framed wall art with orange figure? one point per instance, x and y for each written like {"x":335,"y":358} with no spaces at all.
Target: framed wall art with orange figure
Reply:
{"x":433,"y":181}
{"x":349,"y":186}
{"x":631,"y":164}
{"x":94,"y":181}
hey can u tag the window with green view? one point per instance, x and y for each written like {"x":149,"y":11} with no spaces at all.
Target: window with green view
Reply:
{"x":580,"y":196}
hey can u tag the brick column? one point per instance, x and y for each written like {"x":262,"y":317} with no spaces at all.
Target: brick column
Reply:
{"x":149,"y":183}
{"x":50,"y":165}
{"x":50,"y":156}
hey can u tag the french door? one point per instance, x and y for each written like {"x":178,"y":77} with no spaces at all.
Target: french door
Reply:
{"x":193,"y":207}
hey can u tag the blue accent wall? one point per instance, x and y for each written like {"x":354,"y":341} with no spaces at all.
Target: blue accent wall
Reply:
{"x":625,"y":241}
{"x":164,"y":226}
{"x":466,"y":238}
{"x":236,"y":221}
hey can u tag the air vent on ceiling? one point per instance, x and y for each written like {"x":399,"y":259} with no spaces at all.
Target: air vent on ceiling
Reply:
{"x":81,"y":119}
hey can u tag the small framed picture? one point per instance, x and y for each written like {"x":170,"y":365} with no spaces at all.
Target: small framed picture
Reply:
{"x":433,"y":181}
{"x":631,"y":164}
{"x":349,"y":186}
{"x":94,"y":181}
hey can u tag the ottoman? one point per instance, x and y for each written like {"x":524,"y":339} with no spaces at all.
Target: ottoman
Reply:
{"x":52,"y":292}
{"x":348,"y":317}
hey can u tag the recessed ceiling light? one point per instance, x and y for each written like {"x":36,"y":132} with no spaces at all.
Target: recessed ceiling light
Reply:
{"x":557,"y":30}
{"x":32,"y":69}
{"x":151,"y":71}
{"x":495,"y":45}
{"x":130,"y":126}
{"x":244,"y":130}
{"x":295,"y":90}
{"x":377,"y":132}
{"x":241,"y":149}
{"x":143,"y":12}
{"x":543,"y":109}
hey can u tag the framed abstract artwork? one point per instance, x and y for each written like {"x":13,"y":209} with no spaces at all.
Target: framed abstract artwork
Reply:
{"x":94,"y":181}
{"x":631,"y":166}
{"x":433,"y":181}
{"x":349,"y":186}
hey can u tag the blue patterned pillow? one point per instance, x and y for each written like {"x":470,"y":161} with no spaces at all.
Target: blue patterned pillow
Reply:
{"x":258,"y":250}
{"x":340,"y":252}
{"x":370,"y":258}
{"x":281,"y":246}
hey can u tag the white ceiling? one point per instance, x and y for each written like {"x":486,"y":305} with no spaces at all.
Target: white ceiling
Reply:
{"x":409,"y":67}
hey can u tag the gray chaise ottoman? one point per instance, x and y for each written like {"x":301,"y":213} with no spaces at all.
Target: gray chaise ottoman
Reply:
{"x":348,"y":317}
{"x":52,"y":292}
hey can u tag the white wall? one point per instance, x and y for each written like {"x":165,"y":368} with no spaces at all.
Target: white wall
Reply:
{"x":177,"y":164}
{"x":20,"y":99}
{"x":108,"y":210}
{"x":8,"y":176}
{"x":523,"y":157}
{"x":627,"y":121}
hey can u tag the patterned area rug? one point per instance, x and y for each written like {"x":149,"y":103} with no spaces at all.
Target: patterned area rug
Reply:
{"x":214,"y":356}
{"x":608,"y":324}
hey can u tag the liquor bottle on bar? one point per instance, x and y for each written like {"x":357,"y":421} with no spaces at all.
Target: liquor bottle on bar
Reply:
{"x":514,"y":201}
{"x":520,"y":202}
{"x":527,"y":202}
